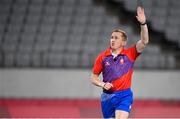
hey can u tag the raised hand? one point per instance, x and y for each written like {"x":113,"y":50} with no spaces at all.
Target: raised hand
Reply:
{"x":141,"y":15}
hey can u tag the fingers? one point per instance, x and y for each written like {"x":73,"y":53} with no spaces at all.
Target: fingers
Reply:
{"x":140,"y":10}
{"x":140,"y":14}
{"x":137,"y":17}
{"x":108,"y":86}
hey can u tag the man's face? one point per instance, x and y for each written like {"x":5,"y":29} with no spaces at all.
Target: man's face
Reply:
{"x":117,"y":40}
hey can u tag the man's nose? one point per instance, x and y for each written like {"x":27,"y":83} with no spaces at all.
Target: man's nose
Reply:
{"x":112,"y":39}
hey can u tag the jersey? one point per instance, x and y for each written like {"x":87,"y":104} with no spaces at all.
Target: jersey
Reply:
{"x":118,"y":70}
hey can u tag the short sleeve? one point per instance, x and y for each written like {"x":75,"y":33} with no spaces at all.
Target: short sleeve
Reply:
{"x":132,"y":53}
{"x":97,"y":68}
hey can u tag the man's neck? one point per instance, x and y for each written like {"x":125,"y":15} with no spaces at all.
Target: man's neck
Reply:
{"x":116,"y":51}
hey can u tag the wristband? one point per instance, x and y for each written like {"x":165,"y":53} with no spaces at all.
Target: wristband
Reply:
{"x":143,"y":23}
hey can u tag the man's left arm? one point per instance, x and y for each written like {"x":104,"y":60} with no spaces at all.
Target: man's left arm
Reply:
{"x":140,"y":45}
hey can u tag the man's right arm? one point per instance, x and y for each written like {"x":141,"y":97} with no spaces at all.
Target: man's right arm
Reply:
{"x":96,"y":81}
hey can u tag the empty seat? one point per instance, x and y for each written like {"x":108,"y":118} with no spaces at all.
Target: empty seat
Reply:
{"x":2,"y":28}
{"x":73,"y":48}
{"x":85,"y":2}
{"x":172,"y":33}
{"x":77,"y":30}
{"x":171,"y":62}
{"x":25,"y":47}
{"x":53,"y":2}
{"x":96,"y":20}
{"x":87,"y":59}
{"x":35,"y":8}
{"x":6,"y":1}
{"x":58,"y":38}
{"x":98,"y":10}
{"x":32,"y":19}
{"x":3,"y":19}
{"x":5,"y":8}
{"x":46,"y":29}
{"x":174,"y":12}
{"x":37,"y":59}
{"x":19,"y":9}
{"x":161,"y":12}
{"x":27,"y":38}
{"x":57,"y":47}
{"x":82,"y":10}
{"x":1,"y":59}
{"x":130,"y":5}
{"x":51,"y":9}
{"x":22,"y":2}
{"x":160,"y":3}
{"x":11,"y":38}
{"x":64,"y":20}
{"x":93,"y":31}
{"x":9,"y":47}
{"x":139,"y":62}
{"x":69,"y":2}
{"x":55,"y":59}
{"x":173,"y":21}
{"x":37,"y":2}
{"x":43,"y":38}
{"x":30,"y":29}
{"x":22,"y":59}
{"x":159,"y":23}
{"x":151,"y":61}
{"x":80,"y":20}
{"x":89,"y":48}
{"x":67,"y":9}
{"x":48,"y":19}
{"x":41,"y":47}
{"x":71,"y":59}
{"x":9,"y":59}
{"x":174,"y":3}
{"x":153,"y":49}
{"x":62,"y":29}
{"x":16,"y":19}
{"x":14,"y":29}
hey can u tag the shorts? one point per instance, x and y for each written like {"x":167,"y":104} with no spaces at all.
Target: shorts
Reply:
{"x":120,"y":100}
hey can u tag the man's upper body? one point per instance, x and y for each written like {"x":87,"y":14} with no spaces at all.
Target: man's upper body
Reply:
{"x":116,"y":62}
{"x":116,"y":70}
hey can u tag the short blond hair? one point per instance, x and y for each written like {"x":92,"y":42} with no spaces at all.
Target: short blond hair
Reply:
{"x":122,"y":32}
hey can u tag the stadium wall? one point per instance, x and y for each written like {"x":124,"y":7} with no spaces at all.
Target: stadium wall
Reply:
{"x":38,"y":83}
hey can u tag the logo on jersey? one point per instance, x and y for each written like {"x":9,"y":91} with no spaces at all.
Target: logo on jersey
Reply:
{"x":121,"y":61}
{"x":107,"y":64}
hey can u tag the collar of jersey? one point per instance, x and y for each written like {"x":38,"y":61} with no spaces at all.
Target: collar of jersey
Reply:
{"x":108,"y":52}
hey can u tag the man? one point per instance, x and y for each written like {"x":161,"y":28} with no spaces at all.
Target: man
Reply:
{"x":116,"y":65}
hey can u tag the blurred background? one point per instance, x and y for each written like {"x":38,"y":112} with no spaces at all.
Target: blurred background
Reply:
{"x":48,"y":47}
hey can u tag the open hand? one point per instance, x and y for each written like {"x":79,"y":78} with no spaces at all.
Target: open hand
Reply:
{"x":141,"y":15}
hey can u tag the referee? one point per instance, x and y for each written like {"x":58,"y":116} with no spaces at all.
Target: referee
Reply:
{"x":116,"y":64}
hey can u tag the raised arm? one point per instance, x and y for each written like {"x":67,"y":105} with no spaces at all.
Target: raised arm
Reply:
{"x":140,"y":45}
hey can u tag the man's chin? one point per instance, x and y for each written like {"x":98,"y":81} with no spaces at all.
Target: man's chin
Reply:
{"x":113,"y":48}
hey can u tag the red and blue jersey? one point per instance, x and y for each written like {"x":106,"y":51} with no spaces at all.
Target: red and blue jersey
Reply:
{"x":116,"y":71}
